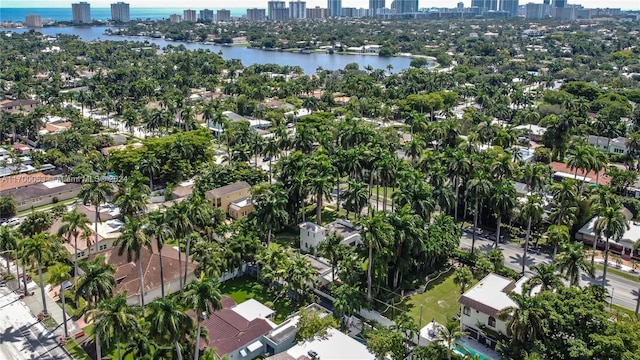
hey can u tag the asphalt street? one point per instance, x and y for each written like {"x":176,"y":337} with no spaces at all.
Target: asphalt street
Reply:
{"x":22,"y":337}
{"x":625,"y":291}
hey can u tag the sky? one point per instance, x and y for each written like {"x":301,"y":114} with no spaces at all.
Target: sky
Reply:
{"x":201,"y":4}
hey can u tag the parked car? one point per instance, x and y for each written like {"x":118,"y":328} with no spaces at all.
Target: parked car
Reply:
{"x":12,"y":222}
{"x":471,"y":229}
{"x":492,"y":237}
{"x":266,"y":158}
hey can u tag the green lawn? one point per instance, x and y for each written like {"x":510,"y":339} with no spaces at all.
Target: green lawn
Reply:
{"x":76,"y":351}
{"x":439,"y":301}
{"x":380,"y":190}
{"x":612,"y":270}
{"x":245,"y":288}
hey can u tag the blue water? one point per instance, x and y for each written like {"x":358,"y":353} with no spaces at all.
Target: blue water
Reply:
{"x":308,"y":62}
{"x":64,"y":14}
{"x":463,"y":350}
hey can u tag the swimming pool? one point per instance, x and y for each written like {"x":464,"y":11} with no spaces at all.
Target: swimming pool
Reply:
{"x":463,"y":350}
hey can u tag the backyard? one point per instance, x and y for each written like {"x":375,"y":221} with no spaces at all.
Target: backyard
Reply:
{"x":245,"y":288}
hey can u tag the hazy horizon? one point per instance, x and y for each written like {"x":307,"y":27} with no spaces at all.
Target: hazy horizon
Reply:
{"x":203,"y":4}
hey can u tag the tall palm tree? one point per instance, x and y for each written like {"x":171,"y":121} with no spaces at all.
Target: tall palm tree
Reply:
{"x":348,"y":300}
{"x":9,"y":242}
{"x":159,"y":229}
{"x":503,"y":200}
{"x":60,"y":274}
{"x":96,"y":193}
{"x":270,"y":211}
{"x":298,"y":275}
{"x":356,"y":197}
{"x":545,"y":276}
{"x":74,"y":223}
{"x":131,"y":242}
{"x":525,"y":320}
{"x":477,"y":189}
{"x":332,"y":249}
{"x":203,"y":296}
{"x":376,"y":232}
{"x":602,"y":198}
{"x":612,"y":224}
{"x":115,"y":319}
{"x":150,"y":167}
{"x":531,"y":211}
{"x":169,"y":323}
{"x":39,"y":248}
{"x":571,"y":261}
{"x":449,"y":334}
{"x":320,"y":185}
{"x":96,"y":284}
{"x":132,"y":199}
{"x":558,"y":235}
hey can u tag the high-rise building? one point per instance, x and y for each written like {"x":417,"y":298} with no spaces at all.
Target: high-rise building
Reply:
{"x":297,"y":10}
{"x":189,"y":15}
{"x":509,"y":6}
{"x":559,"y":3}
{"x":335,"y":8}
{"x":535,"y":11}
{"x":485,"y":5}
{"x":33,"y":21}
{"x":120,"y":12}
{"x":205,"y":16}
{"x":223,"y":15}
{"x":460,"y":5}
{"x":317,"y":13}
{"x":256,"y":14}
{"x":375,"y":6}
{"x":276,"y":10}
{"x":405,"y":6}
{"x":81,"y":13}
{"x":175,"y":18}
{"x":351,"y":12}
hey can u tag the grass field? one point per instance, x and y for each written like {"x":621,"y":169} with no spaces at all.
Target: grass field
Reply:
{"x":245,"y":288}
{"x":439,"y":302}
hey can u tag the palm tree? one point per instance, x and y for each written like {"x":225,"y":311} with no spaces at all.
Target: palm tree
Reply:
{"x":356,"y":197}
{"x":159,"y":229}
{"x":376,"y":232}
{"x":150,"y":167}
{"x":270,"y":211}
{"x":478,"y":188}
{"x":463,"y":277}
{"x":602,"y":199}
{"x":9,"y":242}
{"x":348,"y":300}
{"x":545,"y":276}
{"x":96,"y":284}
{"x":203,"y":296}
{"x":320,"y":184}
{"x":558,"y":235}
{"x":332,"y":249}
{"x":168,"y":322}
{"x":132,"y":240}
{"x":531,"y":211}
{"x":59,"y":274}
{"x":503,"y":200}
{"x":571,"y":261}
{"x":74,"y":223}
{"x":96,"y":193}
{"x":525,"y":320}
{"x":449,"y":334}
{"x":115,"y":319}
{"x":39,"y":248}
{"x":298,"y":275}
{"x":612,"y":224}
{"x":132,"y":199}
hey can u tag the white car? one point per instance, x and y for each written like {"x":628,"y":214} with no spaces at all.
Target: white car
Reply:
{"x":12,"y":222}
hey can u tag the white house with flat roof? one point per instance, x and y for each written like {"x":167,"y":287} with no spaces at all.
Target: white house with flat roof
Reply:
{"x":336,"y":346}
{"x":312,"y":235}
{"x":481,"y":304}
{"x":625,"y":245}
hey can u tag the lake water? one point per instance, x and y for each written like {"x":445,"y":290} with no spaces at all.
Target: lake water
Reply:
{"x":308,"y":62}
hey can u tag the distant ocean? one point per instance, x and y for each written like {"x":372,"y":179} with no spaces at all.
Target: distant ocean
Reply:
{"x":64,"y":14}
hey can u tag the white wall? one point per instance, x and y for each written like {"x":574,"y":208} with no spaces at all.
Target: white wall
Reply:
{"x":476,"y":317}
{"x":309,"y":240}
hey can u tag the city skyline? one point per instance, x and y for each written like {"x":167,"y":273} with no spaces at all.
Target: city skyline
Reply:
{"x":202,"y":4}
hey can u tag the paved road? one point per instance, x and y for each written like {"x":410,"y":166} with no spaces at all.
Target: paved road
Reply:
{"x":22,"y":336}
{"x":625,"y":291}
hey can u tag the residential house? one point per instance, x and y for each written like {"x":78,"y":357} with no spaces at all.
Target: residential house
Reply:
{"x":107,"y":150}
{"x":282,"y":338}
{"x":42,"y":193}
{"x":562,"y":170}
{"x":128,"y":278}
{"x":19,"y":106}
{"x":481,"y":304}
{"x":311,"y":235}
{"x":613,"y":146}
{"x":335,"y":346}
{"x":183,"y":189}
{"x":323,"y":269}
{"x":236,"y":331}
{"x":233,"y":199}
{"x":625,"y":245}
